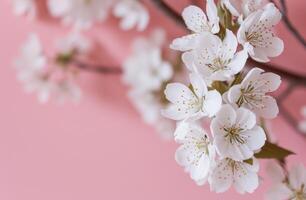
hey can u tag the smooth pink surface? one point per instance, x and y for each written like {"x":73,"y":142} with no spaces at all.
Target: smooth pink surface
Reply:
{"x":101,"y":149}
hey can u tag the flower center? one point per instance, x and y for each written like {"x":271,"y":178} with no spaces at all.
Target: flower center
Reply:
{"x":217,"y":65}
{"x":300,"y":194}
{"x":233,"y":134}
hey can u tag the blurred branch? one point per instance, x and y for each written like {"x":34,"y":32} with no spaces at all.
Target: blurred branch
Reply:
{"x":97,"y":68}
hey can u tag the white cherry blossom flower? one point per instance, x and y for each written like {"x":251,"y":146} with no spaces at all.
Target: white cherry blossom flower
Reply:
{"x":256,"y":35}
{"x":196,"y":154}
{"x":236,"y":134}
{"x":251,"y":93}
{"x":25,"y":7}
{"x":292,"y":187}
{"x":132,"y":14}
{"x":242,"y":175}
{"x":243,"y":7}
{"x":195,"y":103}
{"x":215,"y":59}
{"x":197,"y":22}
{"x":80,"y":13}
{"x":74,"y":42}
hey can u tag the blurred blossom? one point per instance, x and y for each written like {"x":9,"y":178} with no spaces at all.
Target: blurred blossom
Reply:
{"x":50,"y":77}
{"x":132,"y":14}
{"x":302,"y":123}
{"x":25,"y":7}
{"x":82,"y":14}
{"x":242,"y":7}
{"x":287,"y":186}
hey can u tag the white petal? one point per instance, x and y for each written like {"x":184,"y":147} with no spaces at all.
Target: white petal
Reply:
{"x":269,"y":110}
{"x":212,"y":103}
{"x":245,"y":118}
{"x":195,"y":19}
{"x":184,"y":43}
{"x":188,"y":60}
{"x":226,"y":116}
{"x":177,"y":93}
{"x":212,"y":14}
{"x":238,"y":62}
{"x":229,"y":45}
{"x":256,"y":138}
{"x":245,"y":180}
{"x":198,"y":85}
{"x":222,"y":177}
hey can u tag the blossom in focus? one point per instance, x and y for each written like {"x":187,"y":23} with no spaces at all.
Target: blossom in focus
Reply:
{"x":196,"y":154}
{"x":25,"y":7}
{"x":80,"y":13}
{"x":191,"y":103}
{"x":290,"y":187}
{"x":243,"y":7}
{"x":215,"y":59}
{"x":197,"y":22}
{"x":132,"y":14}
{"x":242,"y":175}
{"x":236,"y":134}
{"x":251,"y":93}
{"x":256,"y":35}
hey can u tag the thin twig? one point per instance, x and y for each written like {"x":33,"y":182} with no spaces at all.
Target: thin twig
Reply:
{"x":169,"y":11}
{"x":97,"y":68}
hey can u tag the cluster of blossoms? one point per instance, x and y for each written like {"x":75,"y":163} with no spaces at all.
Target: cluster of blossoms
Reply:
{"x":82,"y":14}
{"x":38,"y":74}
{"x":146,"y":73}
{"x":220,"y":92}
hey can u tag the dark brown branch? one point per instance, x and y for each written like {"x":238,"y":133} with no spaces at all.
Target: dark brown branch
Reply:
{"x":169,"y":11}
{"x":97,"y":68}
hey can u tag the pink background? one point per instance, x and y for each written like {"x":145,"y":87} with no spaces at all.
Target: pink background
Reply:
{"x":101,"y":149}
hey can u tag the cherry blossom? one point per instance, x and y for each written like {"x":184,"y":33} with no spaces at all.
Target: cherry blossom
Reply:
{"x":291,"y":187}
{"x":80,"y":13}
{"x":215,"y":59}
{"x":236,"y":134}
{"x":256,"y":35}
{"x":197,"y":22}
{"x":196,"y":154}
{"x":25,"y":7}
{"x":243,"y":7}
{"x":242,"y":175}
{"x":191,"y":103}
{"x":251,"y":93}
{"x":132,"y":14}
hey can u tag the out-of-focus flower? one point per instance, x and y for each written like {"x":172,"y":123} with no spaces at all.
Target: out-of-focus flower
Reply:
{"x":251,"y":93}
{"x":67,"y":90}
{"x":191,"y":103}
{"x":236,"y":134}
{"x":25,"y":7}
{"x":215,"y":59}
{"x":197,"y":22}
{"x":196,"y":154}
{"x":256,"y":35}
{"x":290,"y":187}
{"x":241,"y":174}
{"x":146,"y":70}
{"x":81,"y":13}
{"x":132,"y":14}
{"x":74,"y":42}
{"x":302,"y":124}
{"x":243,"y":7}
